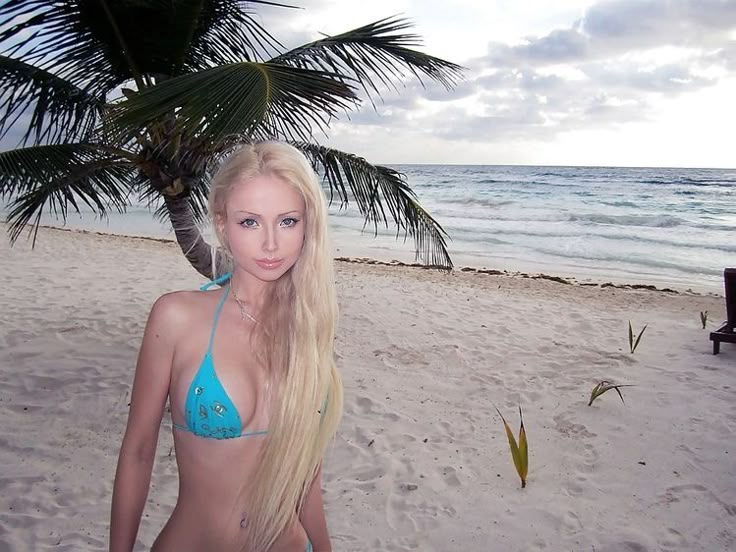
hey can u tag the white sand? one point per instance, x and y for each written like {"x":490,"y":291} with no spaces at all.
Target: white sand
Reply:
{"x":421,"y":461}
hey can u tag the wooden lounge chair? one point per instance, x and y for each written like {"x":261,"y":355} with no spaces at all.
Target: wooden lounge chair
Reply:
{"x":727,"y":332}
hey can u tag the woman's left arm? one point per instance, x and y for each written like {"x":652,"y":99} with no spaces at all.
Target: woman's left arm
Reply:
{"x":312,"y":516}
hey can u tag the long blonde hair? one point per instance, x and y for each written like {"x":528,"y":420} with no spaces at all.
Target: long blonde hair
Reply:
{"x":295,"y":340}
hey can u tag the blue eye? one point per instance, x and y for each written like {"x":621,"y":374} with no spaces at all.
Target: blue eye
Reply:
{"x":249,"y":223}
{"x":289,"y":222}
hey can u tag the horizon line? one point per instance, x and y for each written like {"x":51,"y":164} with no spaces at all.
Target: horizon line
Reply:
{"x":565,"y":166}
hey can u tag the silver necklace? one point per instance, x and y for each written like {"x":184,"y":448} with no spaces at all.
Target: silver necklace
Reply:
{"x":244,"y":314}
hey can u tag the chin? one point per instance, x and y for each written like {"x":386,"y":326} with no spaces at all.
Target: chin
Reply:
{"x":270,"y":276}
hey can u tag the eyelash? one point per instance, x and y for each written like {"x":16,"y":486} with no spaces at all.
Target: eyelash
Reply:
{"x":244,"y":225}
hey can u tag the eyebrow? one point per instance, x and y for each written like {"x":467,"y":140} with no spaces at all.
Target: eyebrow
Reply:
{"x":295,"y":211}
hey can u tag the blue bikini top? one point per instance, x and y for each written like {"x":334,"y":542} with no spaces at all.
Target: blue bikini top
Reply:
{"x":209,"y":412}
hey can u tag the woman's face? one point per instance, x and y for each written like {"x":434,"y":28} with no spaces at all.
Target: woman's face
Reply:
{"x":264,"y":226}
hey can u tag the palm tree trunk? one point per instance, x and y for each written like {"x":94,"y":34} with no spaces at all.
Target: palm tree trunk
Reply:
{"x":197,"y":251}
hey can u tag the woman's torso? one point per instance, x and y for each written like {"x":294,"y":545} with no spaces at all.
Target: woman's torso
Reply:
{"x":213,"y":472}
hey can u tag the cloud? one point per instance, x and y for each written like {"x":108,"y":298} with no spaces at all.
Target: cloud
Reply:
{"x":392,"y":115}
{"x":612,"y":28}
{"x":501,"y":122}
{"x":519,"y":104}
{"x":601,"y":71}
{"x":642,"y":22}
{"x":527,"y":114}
{"x":665,"y":79}
{"x":724,"y":56}
{"x":609,"y":68}
{"x":557,"y":47}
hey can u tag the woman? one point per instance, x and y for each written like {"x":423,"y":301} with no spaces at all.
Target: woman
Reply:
{"x":249,"y":373}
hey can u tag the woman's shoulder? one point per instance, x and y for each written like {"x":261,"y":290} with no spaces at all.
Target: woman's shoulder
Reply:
{"x":177,"y":310}
{"x":175,"y":303}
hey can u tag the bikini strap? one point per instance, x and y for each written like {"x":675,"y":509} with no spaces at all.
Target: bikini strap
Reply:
{"x":217,"y":316}
{"x":217,"y":281}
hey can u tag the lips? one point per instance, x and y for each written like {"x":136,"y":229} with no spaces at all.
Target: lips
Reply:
{"x":269,"y":264}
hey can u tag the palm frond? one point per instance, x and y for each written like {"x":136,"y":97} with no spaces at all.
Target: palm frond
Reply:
{"x":66,"y":38}
{"x":377,"y":53}
{"x":102,"y":44}
{"x":61,"y":176}
{"x":59,"y":110}
{"x":253,"y":99}
{"x":221,"y":32}
{"x":380,"y":193}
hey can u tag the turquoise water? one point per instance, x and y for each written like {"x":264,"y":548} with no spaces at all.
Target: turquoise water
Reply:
{"x":668,"y":227}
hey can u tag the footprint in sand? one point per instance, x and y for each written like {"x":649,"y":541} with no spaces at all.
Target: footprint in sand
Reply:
{"x":673,"y":540}
{"x":449,"y":475}
{"x":570,"y":429}
{"x":571,"y":523}
{"x":365,"y":405}
{"x":575,"y":488}
{"x":393,"y":356}
{"x":448,"y":429}
{"x":590,"y":458}
{"x":370,"y":474}
{"x":678,"y":492}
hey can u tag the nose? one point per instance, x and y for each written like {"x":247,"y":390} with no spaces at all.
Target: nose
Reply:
{"x":270,"y":245}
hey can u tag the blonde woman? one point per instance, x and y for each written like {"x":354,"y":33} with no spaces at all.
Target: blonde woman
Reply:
{"x":249,"y":373}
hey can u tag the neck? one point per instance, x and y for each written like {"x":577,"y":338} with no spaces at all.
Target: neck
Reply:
{"x":250,"y":290}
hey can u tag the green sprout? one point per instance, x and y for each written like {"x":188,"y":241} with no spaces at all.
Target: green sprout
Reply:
{"x":703,"y":318}
{"x":605,"y":385}
{"x":520,"y":452}
{"x":634,"y":344}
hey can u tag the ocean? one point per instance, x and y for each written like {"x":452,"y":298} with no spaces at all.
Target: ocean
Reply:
{"x":669,"y":227}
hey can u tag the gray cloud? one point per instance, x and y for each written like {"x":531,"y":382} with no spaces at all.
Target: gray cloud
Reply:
{"x":611,"y":28}
{"x":676,"y":21}
{"x":524,"y":94}
{"x":532,"y":113}
{"x":726,"y":56}
{"x":381,"y":116}
{"x":557,"y":47}
{"x":438,"y":93}
{"x":666,"y":79}
{"x":596,"y":72}
{"x":503,"y":123}
{"x":518,"y":104}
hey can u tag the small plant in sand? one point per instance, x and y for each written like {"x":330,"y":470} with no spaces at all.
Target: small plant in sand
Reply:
{"x":605,"y":385}
{"x":520,"y":452}
{"x":633,"y":344}
{"x":703,"y":318}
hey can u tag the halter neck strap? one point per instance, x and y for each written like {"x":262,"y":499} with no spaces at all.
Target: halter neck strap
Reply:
{"x":216,"y":281}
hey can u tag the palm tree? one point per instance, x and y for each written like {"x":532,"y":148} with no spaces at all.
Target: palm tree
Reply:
{"x":129,"y":98}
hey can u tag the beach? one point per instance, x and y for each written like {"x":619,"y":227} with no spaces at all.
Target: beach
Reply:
{"x":421,"y":460}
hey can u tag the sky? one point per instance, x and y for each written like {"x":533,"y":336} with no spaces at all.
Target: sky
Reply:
{"x":547,"y":82}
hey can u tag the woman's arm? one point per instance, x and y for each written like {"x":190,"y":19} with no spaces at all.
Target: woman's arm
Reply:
{"x":312,"y":516}
{"x":148,"y":399}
